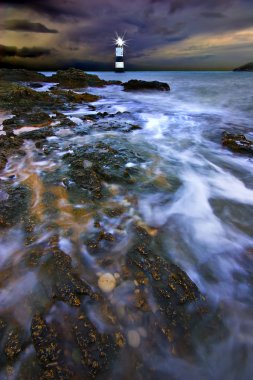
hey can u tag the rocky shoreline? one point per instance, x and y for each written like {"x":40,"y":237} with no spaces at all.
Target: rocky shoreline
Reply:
{"x":159,"y":293}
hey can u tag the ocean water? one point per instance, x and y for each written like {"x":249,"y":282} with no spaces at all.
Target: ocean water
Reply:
{"x":197,"y":194}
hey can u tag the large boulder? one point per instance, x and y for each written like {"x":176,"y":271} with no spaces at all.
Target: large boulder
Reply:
{"x":135,"y":84}
{"x":237,"y":143}
{"x":21,"y":75}
{"x":75,"y":78}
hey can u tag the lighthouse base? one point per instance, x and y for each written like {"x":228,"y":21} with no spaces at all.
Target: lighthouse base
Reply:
{"x":119,"y":70}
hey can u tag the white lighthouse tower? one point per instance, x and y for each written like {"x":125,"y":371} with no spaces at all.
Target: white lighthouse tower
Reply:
{"x":119,"y":55}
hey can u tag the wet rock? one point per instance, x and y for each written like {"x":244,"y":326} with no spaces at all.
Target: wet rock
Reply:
{"x":178,"y":300}
{"x":2,"y":328}
{"x":97,"y":350}
{"x":38,"y":119}
{"x":35,"y":85}
{"x":108,"y":165}
{"x":237,"y":143}
{"x":13,"y":210}
{"x":68,"y":287}
{"x":21,"y":75}
{"x":107,"y":282}
{"x":74,"y":97}
{"x":3,"y":161}
{"x":48,"y":350}
{"x":114,"y":82}
{"x":8,"y":145}
{"x":16,"y":98}
{"x":13,"y":345}
{"x":114,"y":125}
{"x":75,"y":78}
{"x":134,"y":84}
{"x":133,"y":338}
{"x":39,"y":134}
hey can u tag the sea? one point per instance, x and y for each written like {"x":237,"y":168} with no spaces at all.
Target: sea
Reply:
{"x":194,"y":191}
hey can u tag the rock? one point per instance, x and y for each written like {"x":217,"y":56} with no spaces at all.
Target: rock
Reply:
{"x":16,"y":98}
{"x":9,"y":144}
{"x":14,"y":209}
{"x":247,"y":67}
{"x":22,"y":119}
{"x":21,"y":75}
{"x":13,"y":345}
{"x":114,"y":82}
{"x":179,"y":303}
{"x":41,"y":133}
{"x":3,"y":161}
{"x":74,"y":97}
{"x":67,"y":286}
{"x":48,"y":350}
{"x":35,"y":85}
{"x":97,"y":350}
{"x":108,"y":165}
{"x":134,"y":84}
{"x":133,"y":338}
{"x":75,"y":78}
{"x":237,"y":143}
{"x":107,"y":282}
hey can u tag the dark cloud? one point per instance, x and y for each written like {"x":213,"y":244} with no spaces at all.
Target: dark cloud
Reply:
{"x":87,"y":27}
{"x":25,"y":52}
{"x":27,"y":26}
{"x":212,"y":14}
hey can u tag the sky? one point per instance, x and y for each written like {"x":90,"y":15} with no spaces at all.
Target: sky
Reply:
{"x":161,"y":34}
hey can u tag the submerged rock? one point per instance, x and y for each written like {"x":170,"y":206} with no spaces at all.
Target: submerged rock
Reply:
{"x":237,"y":143}
{"x":135,"y":84}
{"x":107,"y":282}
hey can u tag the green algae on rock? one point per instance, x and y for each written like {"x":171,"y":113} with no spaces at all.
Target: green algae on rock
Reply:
{"x":14,"y":209}
{"x":21,"y":75}
{"x":74,"y":97}
{"x":75,"y":78}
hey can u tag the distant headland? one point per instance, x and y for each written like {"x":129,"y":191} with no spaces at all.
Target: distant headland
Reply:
{"x":247,"y":67}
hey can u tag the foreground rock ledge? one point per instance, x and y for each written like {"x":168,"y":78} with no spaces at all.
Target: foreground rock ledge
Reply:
{"x":135,"y":84}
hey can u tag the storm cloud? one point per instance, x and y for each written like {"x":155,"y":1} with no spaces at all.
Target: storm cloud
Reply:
{"x":25,"y":52}
{"x":159,"y":32}
{"x":27,"y":26}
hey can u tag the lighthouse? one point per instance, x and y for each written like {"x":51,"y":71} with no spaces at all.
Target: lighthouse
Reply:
{"x":119,"y":55}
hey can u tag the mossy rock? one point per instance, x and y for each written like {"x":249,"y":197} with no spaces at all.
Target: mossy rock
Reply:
{"x":21,"y":75}
{"x":15,"y":209}
{"x":75,"y":78}
{"x":74,"y":97}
